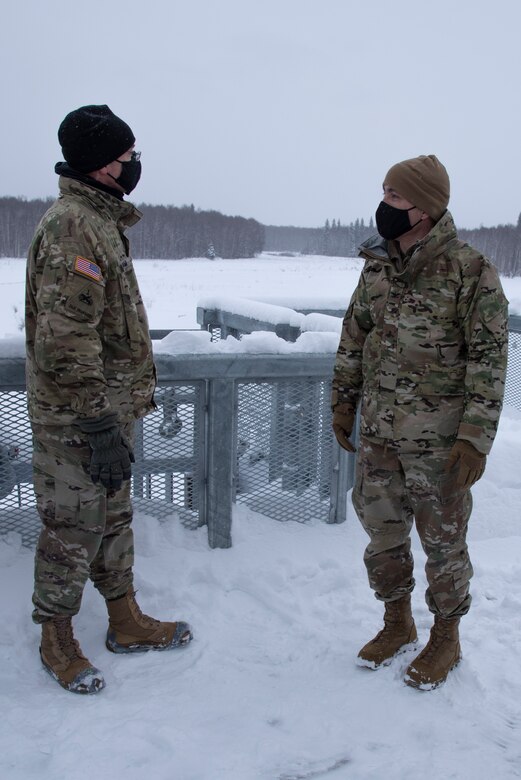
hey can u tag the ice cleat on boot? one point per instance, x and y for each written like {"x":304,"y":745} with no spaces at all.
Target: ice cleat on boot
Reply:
{"x":441,"y":654}
{"x":397,"y":636}
{"x":62,"y":658}
{"x":130,"y":631}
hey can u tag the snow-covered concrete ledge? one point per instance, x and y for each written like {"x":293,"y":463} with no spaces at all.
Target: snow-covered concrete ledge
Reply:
{"x":323,"y":323}
{"x":260,"y":342}
{"x":236,"y":316}
{"x":253,"y":309}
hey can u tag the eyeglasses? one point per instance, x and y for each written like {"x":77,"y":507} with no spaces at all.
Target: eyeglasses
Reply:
{"x":134,"y":156}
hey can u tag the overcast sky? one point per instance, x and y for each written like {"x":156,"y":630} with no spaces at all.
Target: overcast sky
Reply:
{"x":288,"y":111}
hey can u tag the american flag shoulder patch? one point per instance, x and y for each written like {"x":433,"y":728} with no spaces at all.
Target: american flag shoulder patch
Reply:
{"x":87,"y":268}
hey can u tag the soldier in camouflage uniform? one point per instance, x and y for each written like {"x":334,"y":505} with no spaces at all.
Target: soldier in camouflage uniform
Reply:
{"x":90,"y":374}
{"x":424,"y":348}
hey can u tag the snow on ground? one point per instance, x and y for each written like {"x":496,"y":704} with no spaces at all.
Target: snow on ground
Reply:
{"x":268,"y":689}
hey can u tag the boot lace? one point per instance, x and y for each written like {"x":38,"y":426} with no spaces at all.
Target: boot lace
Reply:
{"x":381,"y":637}
{"x":146,"y":620}
{"x":439,"y":635}
{"x":66,"y":641}
{"x":393,"y":617}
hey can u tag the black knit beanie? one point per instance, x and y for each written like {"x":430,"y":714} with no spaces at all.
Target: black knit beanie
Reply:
{"x":92,"y":136}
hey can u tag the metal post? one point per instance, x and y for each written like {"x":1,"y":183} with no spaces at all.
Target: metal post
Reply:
{"x":199,"y":449}
{"x":339,"y":482}
{"x":343,"y":474}
{"x":278,"y":400}
{"x":326,"y":445}
{"x":139,"y":454}
{"x":308,"y":435}
{"x":221,"y":460}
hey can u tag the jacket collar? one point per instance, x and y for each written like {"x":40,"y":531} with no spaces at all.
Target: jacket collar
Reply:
{"x":426,"y":250}
{"x":122,"y":212}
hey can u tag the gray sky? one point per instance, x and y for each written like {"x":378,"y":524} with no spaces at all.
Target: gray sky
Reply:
{"x":289,"y":111}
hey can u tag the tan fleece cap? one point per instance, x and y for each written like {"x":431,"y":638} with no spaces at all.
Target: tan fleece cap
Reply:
{"x":423,"y":181}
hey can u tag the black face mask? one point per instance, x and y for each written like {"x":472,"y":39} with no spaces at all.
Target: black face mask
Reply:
{"x":130,"y":173}
{"x":391,"y":222}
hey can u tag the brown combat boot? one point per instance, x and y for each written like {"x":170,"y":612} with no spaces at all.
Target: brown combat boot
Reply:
{"x":130,"y":631}
{"x":441,"y":654}
{"x":397,"y":636}
{"x":63,"y":659}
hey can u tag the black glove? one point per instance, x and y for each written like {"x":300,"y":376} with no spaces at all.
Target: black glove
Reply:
{"x":111,"y":452}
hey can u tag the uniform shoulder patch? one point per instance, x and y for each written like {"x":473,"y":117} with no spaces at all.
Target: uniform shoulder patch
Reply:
{"x":87,"y":268}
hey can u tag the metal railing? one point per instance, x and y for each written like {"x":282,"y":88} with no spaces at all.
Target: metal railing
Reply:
{"x":288,"y":324}
{"x":241,"y":428}
{"x":230,"y":428}
{"x":222,"y":322}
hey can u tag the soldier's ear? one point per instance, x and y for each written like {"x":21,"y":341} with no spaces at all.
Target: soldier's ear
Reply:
{"x":101,"y":172}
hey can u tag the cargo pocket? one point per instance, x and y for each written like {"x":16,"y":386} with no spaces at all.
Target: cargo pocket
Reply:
{"x":53,"y":573}
{"x":371,"y":497}
{"x":81,"y":509}
{"x":56,"y":584}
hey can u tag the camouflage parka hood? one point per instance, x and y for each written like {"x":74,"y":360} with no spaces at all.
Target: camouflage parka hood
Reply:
{"x":424,"y":343}
{"x":88,"y":343}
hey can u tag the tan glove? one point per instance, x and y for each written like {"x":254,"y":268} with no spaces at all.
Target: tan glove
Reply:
{"x":470,"y":462}
{"x":343,"y":421}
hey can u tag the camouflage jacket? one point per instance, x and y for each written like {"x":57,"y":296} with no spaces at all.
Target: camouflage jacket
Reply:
{"x":88,"y":343}
{"x":424,"y":343}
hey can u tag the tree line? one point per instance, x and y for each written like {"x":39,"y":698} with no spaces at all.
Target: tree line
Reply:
{"x":173,"y":232}
{"x":177,"y":232}
{"x":164,"y":232}
{"x":501,"y":244}
{"x":333,"y":239}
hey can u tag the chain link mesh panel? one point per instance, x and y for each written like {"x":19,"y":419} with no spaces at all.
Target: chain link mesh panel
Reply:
{"x":169,"y":451}
{"x":17,"y":502}
{"x":284,"y":448}
{"x":168,"y":476}
{"x":513,"y":383}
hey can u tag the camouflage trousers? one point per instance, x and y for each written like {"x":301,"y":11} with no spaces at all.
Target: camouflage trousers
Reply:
{"x":86,"y":530}
{"x":397,"y":485}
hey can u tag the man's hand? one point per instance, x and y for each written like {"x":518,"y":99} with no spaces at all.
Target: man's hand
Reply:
{"x":343,"y":421}
{"x":111,"y":453}
{"x":470,"y":463}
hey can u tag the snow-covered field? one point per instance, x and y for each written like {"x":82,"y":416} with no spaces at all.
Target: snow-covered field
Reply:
{"x":268,"y":689}
{"x":172,"y":288}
